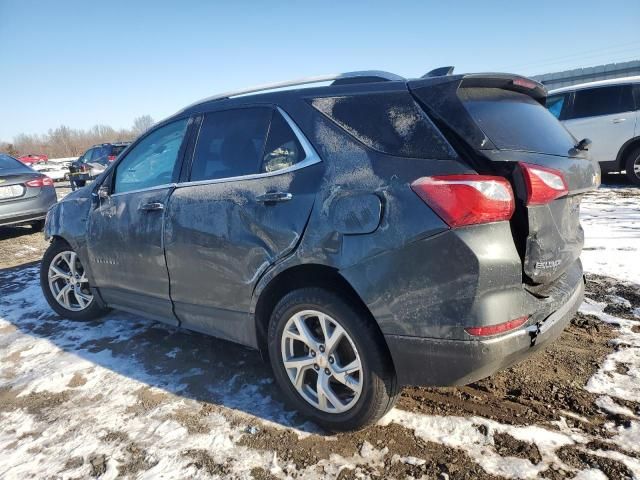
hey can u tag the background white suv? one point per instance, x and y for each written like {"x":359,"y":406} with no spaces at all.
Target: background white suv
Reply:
{"x":607,"y":113}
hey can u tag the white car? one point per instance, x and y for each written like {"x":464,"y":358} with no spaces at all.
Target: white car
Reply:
{"x":606,"y":112}
{"x":55,"y":172}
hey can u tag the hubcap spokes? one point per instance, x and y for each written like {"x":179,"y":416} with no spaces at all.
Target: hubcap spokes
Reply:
{"x":636,"y":167}
{"x":322,"y":361}
{"x":68,"y":282}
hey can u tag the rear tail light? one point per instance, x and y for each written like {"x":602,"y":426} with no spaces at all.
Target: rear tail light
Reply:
{"x":496,"y":329}
{"x":543,"y":184}
{"x":40,"y":182}
{"x":467,"y":199}
{"x":111,"y":158}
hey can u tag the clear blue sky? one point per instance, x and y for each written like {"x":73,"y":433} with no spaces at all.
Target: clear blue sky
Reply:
{"x":81,"y":63}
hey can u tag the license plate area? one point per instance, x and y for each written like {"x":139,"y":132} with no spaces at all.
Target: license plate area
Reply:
{"x":11,"y":191}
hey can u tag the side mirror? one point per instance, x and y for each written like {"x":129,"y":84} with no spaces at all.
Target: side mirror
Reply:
{"x":103,"y":192}
{"x":583,"y":144}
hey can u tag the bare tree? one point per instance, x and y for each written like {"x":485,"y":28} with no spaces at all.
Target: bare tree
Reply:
{"x":64,"y":141}
{"x":142,"y":124}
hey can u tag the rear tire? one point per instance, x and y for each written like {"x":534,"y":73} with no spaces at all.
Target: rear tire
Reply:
{"x":65,"y":286}
{"x":347,"y":383}
{"x":632,"y":166}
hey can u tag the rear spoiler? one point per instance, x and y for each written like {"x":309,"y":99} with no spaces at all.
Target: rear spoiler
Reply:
{"x":504,"y":81}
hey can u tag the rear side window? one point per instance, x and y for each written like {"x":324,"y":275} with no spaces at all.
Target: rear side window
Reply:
{"x":514,"y":121}
{"x":282,"y":150}
{"x":230,"y":143}
{"x":7,"y":162}
{"x":390,"y":123}
{"x":594,"y":102}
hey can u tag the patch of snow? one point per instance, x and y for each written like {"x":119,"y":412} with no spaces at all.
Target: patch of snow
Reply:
{"x":611,"y":221}
{"x":607,"y":404}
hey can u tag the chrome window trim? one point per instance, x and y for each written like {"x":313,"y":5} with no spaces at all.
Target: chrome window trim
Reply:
{"x":311,"y":158}
{"x":149,"y":189}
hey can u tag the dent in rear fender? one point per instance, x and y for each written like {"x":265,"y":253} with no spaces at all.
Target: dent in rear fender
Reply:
{"x":434,"y":287}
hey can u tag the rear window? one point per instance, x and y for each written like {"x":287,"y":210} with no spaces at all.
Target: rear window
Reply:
{"x":390,"y":123}
{"x":117,"y":150}
{"x":7,"y":162}
{"x":513,"y":121}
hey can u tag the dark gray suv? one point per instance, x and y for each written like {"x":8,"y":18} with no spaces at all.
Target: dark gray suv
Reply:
{"x":365,"y":235}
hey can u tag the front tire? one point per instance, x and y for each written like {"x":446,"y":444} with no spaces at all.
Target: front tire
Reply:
{"x":330,"y":360}
{"x":65,"y":285}
{"x":632,"y":166}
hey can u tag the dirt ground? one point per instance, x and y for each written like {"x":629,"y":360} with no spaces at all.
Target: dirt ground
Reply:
{"x":99,"y":399}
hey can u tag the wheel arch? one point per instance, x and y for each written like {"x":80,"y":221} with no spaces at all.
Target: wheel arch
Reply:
{"x":626,"y":148}
{"x":300,"y":276}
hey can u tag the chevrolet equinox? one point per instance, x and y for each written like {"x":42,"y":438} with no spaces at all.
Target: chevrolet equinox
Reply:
{"x":363,"y":235}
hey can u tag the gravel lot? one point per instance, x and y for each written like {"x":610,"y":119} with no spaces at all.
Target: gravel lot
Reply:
{"x":129,"y":397}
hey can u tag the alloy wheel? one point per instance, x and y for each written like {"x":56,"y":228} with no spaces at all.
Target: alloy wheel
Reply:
{"x":68,"y":282}
{"x":322,"y":361}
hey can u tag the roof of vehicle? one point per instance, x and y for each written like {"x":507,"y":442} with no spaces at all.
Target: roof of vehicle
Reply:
{"x":344,"y":83}
{"x":599,"y":83}
{"x":116,"y":144}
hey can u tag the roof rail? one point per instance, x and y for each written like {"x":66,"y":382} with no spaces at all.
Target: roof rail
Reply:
{"x":387,"y":76}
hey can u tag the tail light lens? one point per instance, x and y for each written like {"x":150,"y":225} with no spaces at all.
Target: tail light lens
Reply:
{"x":40,"y":182}
{"x":496,"y":329}
{"x":467,"y":199}
{"x":543,"y":184}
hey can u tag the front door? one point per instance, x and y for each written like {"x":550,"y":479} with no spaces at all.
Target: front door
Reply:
{"x":125,"y":232}
{"x":245,"y":207}
{"x":606,"y":116}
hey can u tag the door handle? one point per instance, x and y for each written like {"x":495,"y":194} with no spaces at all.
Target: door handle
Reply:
{"x":273,"y":197}
{"x":618,"y":120}
{"x":151,"y":207}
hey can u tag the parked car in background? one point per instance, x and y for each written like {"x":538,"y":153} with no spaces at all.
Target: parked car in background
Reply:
{"x":25,"y":195}
{"x":31,"y":159}
{"x":93,"y":162}
{"x":55,"y":172}
{"x":606,"y":112}
{"x":368,"y":234}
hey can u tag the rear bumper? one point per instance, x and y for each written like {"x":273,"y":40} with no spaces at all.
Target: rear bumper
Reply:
{"x":28,"y":209}
{"x":430,"y":361}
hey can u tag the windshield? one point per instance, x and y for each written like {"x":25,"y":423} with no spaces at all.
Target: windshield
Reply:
{"x":9,"y":163}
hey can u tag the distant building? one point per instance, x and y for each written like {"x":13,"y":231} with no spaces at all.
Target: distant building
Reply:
{"x":590,"y":74}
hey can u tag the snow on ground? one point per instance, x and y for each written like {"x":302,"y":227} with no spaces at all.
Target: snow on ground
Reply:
{"x":131,"y":397}
{"x":612,"y":233}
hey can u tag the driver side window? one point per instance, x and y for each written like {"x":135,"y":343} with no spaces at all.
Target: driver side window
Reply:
{"x":151,"y":162}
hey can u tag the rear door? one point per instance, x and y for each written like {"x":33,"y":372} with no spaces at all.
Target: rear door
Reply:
{"x":606,"y":116}
{"x":125,"y":232}
{"x":250,"y":192}
{"x":500,"y":122}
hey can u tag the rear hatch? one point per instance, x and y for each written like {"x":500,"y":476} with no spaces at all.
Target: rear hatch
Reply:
{"x":499,"y":124}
